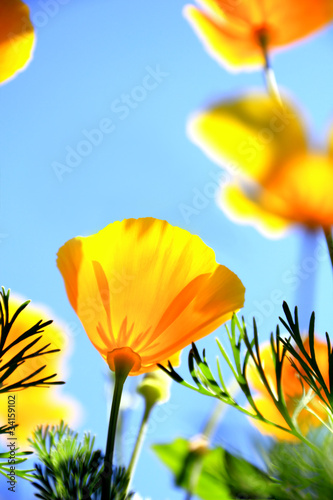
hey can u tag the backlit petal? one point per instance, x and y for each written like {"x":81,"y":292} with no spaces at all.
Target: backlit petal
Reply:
{"x":231,"y":46}
{"x":251,"y":136}
{"x":37,"y":405}
{"x":240,"y":208}
{"x":230,"y":30}
{"x":16,"y":38}
{"x":144,"y":284}
{"x":292,"y":390}
{"x":302,"y":191}
{"x":52,"y":335}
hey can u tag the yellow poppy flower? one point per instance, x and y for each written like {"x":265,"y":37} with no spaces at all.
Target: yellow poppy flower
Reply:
{"x":280,"y":179}
{"x":34,"y":405}
{"x":17,"y":38}
{"x":236,"y":32}
{"x":292,"y":391}
{"x":146,"y":289}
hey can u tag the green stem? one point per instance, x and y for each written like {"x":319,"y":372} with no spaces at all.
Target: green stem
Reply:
{"x":219,"y":412}
{"x":208,"y":431}
{"x":329,"y":241}
{"x":139,"y":443}
{"x":120,"y":377}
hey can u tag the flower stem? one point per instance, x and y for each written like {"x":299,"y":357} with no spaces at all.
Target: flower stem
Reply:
{"x":270,"y":79}
{"x":139,"y":443}
{"x":210,"y":427}
{"x":329,"y":241}
{"x":121,"y":360}
{"x":108,"y":459}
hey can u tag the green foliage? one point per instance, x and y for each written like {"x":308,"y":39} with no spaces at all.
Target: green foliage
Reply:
{"x":307,"y":366}
{"x":294,"y":471}
{"x":6,"y":461}
{"x":221,"y":475}
{"x":71,"y":469}
{"x":28,"y":352}
{"x":304,"y":474}
{"x":206,"y":383}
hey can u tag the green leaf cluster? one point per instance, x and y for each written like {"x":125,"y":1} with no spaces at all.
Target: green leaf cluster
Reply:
{"x":293,"y":471}
{"x":245,"y":351}
{"x":71,"y":469}
{"x":222,"y":476}
{"x":22,"y":473}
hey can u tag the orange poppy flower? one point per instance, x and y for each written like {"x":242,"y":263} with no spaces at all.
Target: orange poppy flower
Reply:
{"x":237,"y":33}
{"x":145,"y":289}
{"x":292,"y":391}
{"x":17,"y":38}
{"x":279,"y":179}
{"x":35,"y":405}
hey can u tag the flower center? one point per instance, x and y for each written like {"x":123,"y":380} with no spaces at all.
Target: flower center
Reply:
{"x":124,"y":359}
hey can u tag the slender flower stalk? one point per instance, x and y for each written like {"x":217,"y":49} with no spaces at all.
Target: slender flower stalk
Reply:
{"x":329,"y":241}
{"x":139,"y":442}
{"x":123,"y":361}
{"x":155,"y":389}
{"x":209,"y":429}
{"x":270,"y":80}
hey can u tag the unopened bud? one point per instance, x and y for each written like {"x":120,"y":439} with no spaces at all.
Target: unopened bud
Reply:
{"x":155,"y":388}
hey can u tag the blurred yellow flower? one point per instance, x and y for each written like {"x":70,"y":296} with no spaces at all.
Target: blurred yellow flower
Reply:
{"x":17,"y":38}
{"x":292,"y":391}
{"x":145,"y":289}
{"x":34,"y":405}
{"x":236,"y":32}
{"x":280,"y":179}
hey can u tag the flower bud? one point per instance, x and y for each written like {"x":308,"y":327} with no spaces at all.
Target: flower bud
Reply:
{"x":155,"y":388}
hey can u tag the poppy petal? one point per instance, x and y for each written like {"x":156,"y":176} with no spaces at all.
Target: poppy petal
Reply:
{"x":149,"y":283}
{"x":233,"y":46}
{"x":301,"y":191}
{"x":17,"y":38}
{"x":242,"y":209}
{"x":250,"y":136}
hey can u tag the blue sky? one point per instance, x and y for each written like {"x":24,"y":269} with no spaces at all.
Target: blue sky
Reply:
{"x":89,"y":57}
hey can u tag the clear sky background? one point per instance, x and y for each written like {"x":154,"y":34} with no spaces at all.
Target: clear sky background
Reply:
{"x":88,"y":55}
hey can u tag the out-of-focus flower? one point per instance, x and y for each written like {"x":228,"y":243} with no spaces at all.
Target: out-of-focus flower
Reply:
{"x":145,"y":289}
{"x":34,"y":406}
{"x":292,"y":390}
{"x":280,"y":179}
{"x":17,"y":38}
{"x":238,"y":32}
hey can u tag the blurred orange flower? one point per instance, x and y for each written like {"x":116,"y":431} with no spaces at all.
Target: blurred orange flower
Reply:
{"x":280,"y":179}
{"x":292,"y":391}
{"x":146,"y":289}
{"x":35,"y":405}
{"x":17,"y":38}
{"x":237,"y":32}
